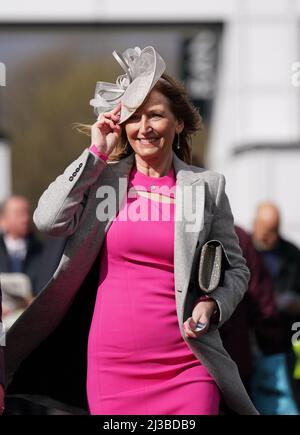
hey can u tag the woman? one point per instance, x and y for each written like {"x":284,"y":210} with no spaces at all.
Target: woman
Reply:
{"x":134,"y":212}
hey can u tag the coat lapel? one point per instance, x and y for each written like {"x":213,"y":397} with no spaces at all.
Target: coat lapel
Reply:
{"x":189,"y":220}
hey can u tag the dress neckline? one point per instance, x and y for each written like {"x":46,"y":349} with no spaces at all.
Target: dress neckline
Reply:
{"x":138,"y":174}
{"x":152,"y":184}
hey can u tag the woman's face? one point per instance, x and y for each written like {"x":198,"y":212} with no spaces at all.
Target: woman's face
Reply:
{"x":152,"y":128}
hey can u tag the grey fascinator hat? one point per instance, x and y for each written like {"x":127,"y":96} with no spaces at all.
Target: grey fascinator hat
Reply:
{"x":143,"y":68}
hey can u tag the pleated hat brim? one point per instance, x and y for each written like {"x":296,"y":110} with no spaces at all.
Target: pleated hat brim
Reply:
{"x":140,"y":88}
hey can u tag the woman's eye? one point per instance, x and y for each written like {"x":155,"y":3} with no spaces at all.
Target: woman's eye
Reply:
{"x":157,"y":115}
{"x":134,"y":118}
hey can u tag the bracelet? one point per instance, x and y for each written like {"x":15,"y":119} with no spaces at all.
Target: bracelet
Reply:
{"x":93,"y":148}
{"x":203,"y":298}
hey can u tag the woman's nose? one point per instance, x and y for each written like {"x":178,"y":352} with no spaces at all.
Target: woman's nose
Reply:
{"x":144,"y":125}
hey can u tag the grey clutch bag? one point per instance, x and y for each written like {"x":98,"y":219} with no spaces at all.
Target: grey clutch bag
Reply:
{"x":213,"y":262}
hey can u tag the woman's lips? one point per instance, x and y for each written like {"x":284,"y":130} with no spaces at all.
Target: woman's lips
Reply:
{"x":148,"y":141}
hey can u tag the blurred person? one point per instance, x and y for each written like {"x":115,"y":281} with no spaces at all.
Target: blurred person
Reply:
{"x":282,"y":259}
{"x":2,"y":374}
{"x":255,"y":317}
{"x":19,"y":256}
{"x":1,"y":214}
{"x":113,"y":332}
{"x":253,"y":336}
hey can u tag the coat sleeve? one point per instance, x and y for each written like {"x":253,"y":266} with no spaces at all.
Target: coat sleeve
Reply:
{"x":236,"y":277}
{"x":60,"y":207}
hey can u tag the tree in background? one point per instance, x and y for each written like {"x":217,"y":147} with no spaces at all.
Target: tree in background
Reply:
{"x":48,"y":95}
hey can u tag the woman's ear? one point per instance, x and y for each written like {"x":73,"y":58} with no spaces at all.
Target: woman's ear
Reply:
{"x":179,"y":126}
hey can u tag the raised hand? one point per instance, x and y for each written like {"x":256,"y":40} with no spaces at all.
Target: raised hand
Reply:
{"x":106,"y":131}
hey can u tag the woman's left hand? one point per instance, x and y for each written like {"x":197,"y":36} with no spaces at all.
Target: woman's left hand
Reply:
{"x":201,"y":313}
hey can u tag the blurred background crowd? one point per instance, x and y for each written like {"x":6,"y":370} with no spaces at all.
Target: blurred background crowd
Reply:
{"x":238,"y":61}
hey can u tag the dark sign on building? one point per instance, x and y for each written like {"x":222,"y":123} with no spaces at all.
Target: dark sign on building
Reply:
{"x":200,"y":66}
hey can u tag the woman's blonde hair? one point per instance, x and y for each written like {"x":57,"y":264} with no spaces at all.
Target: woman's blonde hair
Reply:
{"x":182,"y":109}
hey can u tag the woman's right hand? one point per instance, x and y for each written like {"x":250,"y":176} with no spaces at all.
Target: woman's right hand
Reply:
{"x":106,"y":131}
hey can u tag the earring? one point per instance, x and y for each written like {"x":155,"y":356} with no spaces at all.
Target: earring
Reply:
{"x":178,"y":141}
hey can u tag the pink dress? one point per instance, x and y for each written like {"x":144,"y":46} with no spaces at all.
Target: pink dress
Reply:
{"x":138,"y":362}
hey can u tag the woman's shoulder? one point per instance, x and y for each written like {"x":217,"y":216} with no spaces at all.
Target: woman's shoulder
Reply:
{"x":207,"y":174}
{"x":214,"y":181}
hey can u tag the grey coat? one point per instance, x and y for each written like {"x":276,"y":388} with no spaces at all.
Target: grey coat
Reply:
{"x":69,"y":207}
